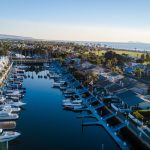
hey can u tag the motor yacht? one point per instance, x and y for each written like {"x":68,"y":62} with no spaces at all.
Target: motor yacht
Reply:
{"x":16,"y":104}
{"x":9,"y":108}
{"x":6,"y":136}
{"x":8,"y":116}
{"x":2,"y":99}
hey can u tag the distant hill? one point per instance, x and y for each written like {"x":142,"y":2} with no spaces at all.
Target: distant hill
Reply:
{"x":14,"y":37}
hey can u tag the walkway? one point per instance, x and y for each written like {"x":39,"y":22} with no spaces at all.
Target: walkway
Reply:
{"x":100,"y":120}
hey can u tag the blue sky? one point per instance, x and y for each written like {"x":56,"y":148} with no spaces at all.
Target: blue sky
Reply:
{"x":95,"y":20}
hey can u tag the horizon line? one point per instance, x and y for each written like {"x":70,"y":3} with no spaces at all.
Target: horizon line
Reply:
{"x":95,"y":41}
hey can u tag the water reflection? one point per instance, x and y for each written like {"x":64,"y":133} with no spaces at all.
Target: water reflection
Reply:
{"x":40,"y":71}
{"x":4,"y":146}
{"x":44,"y":123}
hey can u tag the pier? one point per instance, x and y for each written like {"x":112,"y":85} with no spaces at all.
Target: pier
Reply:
{"x":32,"y":61}
{"x":95,"y":105}
{"x":91,"y":104}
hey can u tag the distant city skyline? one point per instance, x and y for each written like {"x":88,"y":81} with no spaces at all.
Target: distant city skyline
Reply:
{"x":78,"y":20}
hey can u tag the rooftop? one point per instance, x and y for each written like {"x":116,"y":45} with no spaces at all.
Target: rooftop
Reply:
{"x":130,"y":98}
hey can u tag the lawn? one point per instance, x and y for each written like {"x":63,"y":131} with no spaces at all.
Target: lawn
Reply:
{"x":130,"y":53}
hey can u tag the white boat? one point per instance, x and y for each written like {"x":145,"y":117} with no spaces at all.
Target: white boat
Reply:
{"x":11,"y":91}
{"x":6,"y":136}
{"x":9,"y":108}
{"x":46,"y":66}
{"x":70,"y":95}
{"x":2,"y":99}
{"x":73,"y":103}
{"x":16,"y":77}
{"x":18,"y":74}
{"x":63,"y":88}
{"x":78,"y":107}
{"x":8,"y":116}
{"x":15,"y":82}
{"x":62,"y":82}
{"x":69,"y":100}
{"x":18,"y":71}
{"x":55,"y":84}
{"x":54,"y":76}
{"x":66,"y":100}
{"x":16,"y":104}
{"x":74,"y":107}
{"x":69,"y":91}
{"x":15,"y":98}
{"x":14,"y":93}
{"x":21,"y":67}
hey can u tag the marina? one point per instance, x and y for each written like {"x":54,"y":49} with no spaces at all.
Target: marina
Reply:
{"x":88,"y":103}
{"x":49,"y":92}
{"x":75,"y":75}
{"x":9,"y":100}
{"x":44,"y":101}
{"x":49,"y":120}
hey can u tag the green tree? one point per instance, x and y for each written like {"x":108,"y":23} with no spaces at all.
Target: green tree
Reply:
{"x":143,"y":57}
{"x":138,"y":72}
{"x":147,"y":57}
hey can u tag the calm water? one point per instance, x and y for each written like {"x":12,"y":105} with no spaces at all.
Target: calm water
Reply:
{"x":127,"y":46}
{"x":46,"y":126}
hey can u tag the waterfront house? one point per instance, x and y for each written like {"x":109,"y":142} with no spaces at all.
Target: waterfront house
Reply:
{"x":134,"y":85}
{"x":100,"y":86}
{"x":103,"y":82}
{"x":86,"y":64}
{"x":140,"y":88}
{"x":145,"y":105}
{"x":112,"y":77}
{"x":98,"y":70}
{"x":127,"y":101}
{"x":114,"y":88}
{"x":133,"y":66}
{"x":127,"y":82}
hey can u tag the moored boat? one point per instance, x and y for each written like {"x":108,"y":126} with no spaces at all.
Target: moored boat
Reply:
{"x":8,"y":116}
{"x":6,"y":136}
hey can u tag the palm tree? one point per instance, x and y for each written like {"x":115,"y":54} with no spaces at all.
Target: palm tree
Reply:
{"x":109,"y":63}
{"x":138,"y":72}
{"x":115,"y":61}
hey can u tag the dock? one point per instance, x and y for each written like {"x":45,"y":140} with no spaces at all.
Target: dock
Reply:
{"x":101,"y":120}
{"x":87,"y":103}
{"x":32,"y":61}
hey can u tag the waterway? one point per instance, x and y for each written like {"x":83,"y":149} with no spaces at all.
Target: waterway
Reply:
{"x":45,"y":125}
{"x":127,"y":46}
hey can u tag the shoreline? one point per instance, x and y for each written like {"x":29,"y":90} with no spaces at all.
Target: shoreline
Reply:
{"x":5,"y":74}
